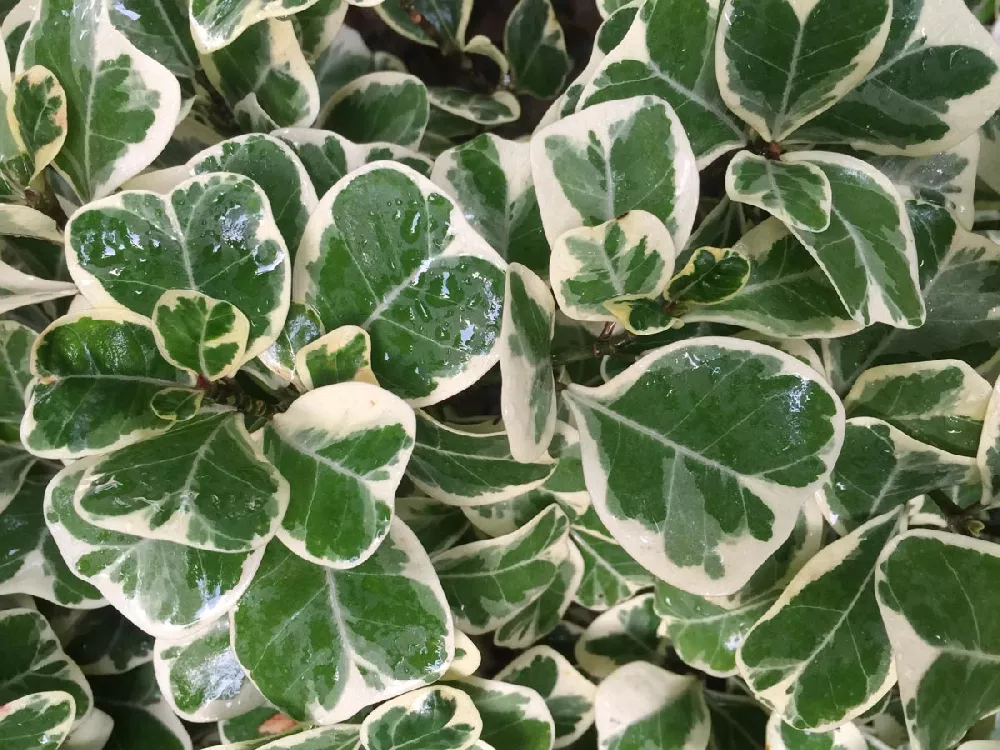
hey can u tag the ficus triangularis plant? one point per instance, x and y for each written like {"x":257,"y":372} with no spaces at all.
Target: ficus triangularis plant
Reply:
{"x":518,"y":375}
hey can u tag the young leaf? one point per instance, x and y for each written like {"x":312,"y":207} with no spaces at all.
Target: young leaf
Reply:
{"x":33,"y":661}
{"x":868,"y":250}
{"x":528,"y":395}
{"x":940,"y":403}
{"x":613,"y":158}
{"x":274,"y":167}
{"x":437,"y":526}
{"x":796,"y":193}
{"x":955,"y":272}
{"x":424,"y":353}
{"x":491,"y":110}
{"x":935,"y":83}
{"x":265,"y":79}
{"x":200,"y":678}
{"x":713,"y":275}
{"x":340,"y":356}
{"x":213,"y":234}
{"x":642,"y":705}
{"x":513,"y":716}
{"x":536,"y":47}
{"x":782,"y":736}
{"x":121,"y":105}
{"x":626,"y":633}
{"x":31,"y":562}
{"x":676,"y":62}
{"x":40,"y":721}
{"x":628,"y":257}
{"x":948,"y":676}
{"x":215,"y":24}
{"x":449,"y":18}
{"x":343,"y":449}
{"x":467,"y":658}
{"x":881,"y":468}
{"x":205,"y":336}
{"x":302,"y":327}
{"x":387,"y":106}
{"x":466,"y":468}
{"x":491,"y":180}
{"x":323,"y":643}
{"x":568,"y":694}
{"x":651,"y":418}
{"x":169,"y":590}
{"x":489,"y":582}
{"x":781,"y":64}
{"x":93,"y":376}
{"x":436,"y":718}
{"x":820,"y":655}
{"x":204,"y":483}
{"x":706,"y":631}
{"x":177,"y":404}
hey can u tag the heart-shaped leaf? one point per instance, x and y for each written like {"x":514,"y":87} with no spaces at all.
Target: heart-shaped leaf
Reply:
{"x":711,"y":276}
{"x":343,"y":449}
{"x":340,"y":356}
{"x":386,"y":106}
{"x":439,"y":717}
{"x":205,"y":336}
{"x":796,"y":193}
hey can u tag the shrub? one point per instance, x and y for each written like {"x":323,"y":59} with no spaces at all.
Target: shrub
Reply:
{"x":529,"y":402}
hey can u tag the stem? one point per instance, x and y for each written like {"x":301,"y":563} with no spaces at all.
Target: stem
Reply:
{"x":600,"y":348}
{"x":230,"y":393}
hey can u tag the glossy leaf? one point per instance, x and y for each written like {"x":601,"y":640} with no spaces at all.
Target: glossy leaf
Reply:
{"x":386,"y":106}
{"x":205,"y":336}
{"x":798,"y":193}
{"x":140,"y":715}
{"x":438,"y":526}
{"x":424,"y":357}
{"x":101,"y":641}
{"x":650,"y":418}
{"x":15,"y":373}
{"x":626,"y":633}
{"x":19,"y":289}
{"x":613,"y":158}
{"x":216,"y":24}
{"x":302,"y":326}
{"x":450,"y":18}
{"x":610,"y":575}
{"x":40,"y":721}
{"x":536,"y":47}
{"x":435,"y":718}
{"x":323,"y":644}
{"x":340,"y":356}
{"x":490,"y":110}
{"x":713,"y":275}
{"x":782,"y":736}
{"x":342,"y":449}
{"x":513,"y":716}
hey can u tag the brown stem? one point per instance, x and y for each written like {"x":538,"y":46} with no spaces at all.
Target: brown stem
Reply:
{"x":230,"y":393}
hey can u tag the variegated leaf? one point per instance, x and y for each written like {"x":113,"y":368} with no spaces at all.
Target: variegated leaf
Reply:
{"x":798,"y":194}
{"x":513,"y":716}
{"x":626,"y":633}
{"x":387,"y":106}
{"x":205,"y":336}
{"x":536,"y":47}
{"x":436,"y":718}
{"x":39,"y":721}
{"x":340,"y":356}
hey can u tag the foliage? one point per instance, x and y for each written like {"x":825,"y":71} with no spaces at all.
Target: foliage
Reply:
{"x":390,"y":375}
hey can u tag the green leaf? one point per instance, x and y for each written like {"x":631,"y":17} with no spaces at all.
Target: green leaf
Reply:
{"x":205,"y":336}
{"x":302,"y":326}
{"x":437,"y":526}
{"x":738,"y":723}
{"x":935,"y":83}
{"x":161,"y":30}
{"x":957,"y":272}
{"x":15,"y":372}
{"x":323,"y":643}
{"x":947,"y":678}
{"x":489,"y":582}
{"x":528,"y":395}
{"x":31,"y":562}
{"x":121,"y":104}
{"x":536,"y":47}
{"x":216,"y":24}
{"x":345,"y":58}
{"x":261,"y":724}
{"x":626,"y":633}
{"x":265,"y":78}
{"x":431,"y":298}
{"x":450,"y":18}
{"x":713,"y":275}
{"x":338,"y":737}
{"x":868,"y":251}
{"x":387,"y":106}
{"x":213,"y":234}
{"x":167,"y":589}
{"x":676,"y":62}
{"x":318,"y":25}
{"x":490,"y":110}
{"x":33,"y":661}
{"x":470,"y":468}
{"x":613,"y":158}
{"x":141,"y":717}
{"x":568,"y":694}
{"x":706,"y":631}
{"x":940,"y":403}
{"x":820,"y":655}
{"x":513,"y":716}
{"x":274,"y":167}
{"x":15,"y":463}
{"x":94,"y":374}
{"x":180,"y":487}
{"x":610,"y":574}
{"x":781,"y":736}
{"x":40,"y":721}
{"x":881,"y":468}
{"x":641,"y":705}
{"x":19,"y":289}
{"x":343,"y":449}
{"x":434,"y":718}
{"x":797,"y":193}
{"x":177,"y":404}
{"x":490,"y":178}
{"x":101,"y":641}
{"x":200,"y":677}
{"x":782,"y":62}
{"x":340,"y":356}
{"x":739,"y":475}
{"x":631,"y":257}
